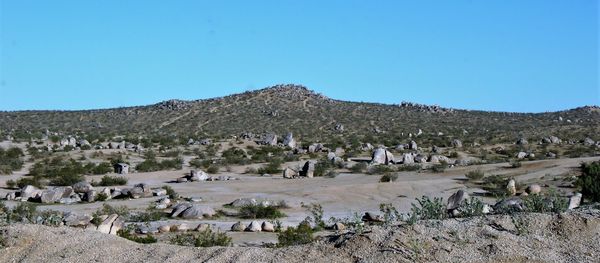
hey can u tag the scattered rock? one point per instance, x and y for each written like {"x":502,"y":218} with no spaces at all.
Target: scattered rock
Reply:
{"x":238,"y":227}
{"x":511,"y":187}
{"x":534,"y":189}
{"x":575,"y":201}
{"x":382,"y":156}
{"x":253,"y":227}
{"x":267,"y":227}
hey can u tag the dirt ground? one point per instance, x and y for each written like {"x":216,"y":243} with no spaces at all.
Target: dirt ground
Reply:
{"x":340,"y":197}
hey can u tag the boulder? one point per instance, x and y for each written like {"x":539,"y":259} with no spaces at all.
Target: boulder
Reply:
{"x":202,"y":227}
{"x":382,"y":156}
{"x":267,"y":227}
{"x":289,"y":141}
{"x":117,"y":225}
{"x":197,"y":176}
{"x":11,"y":196}
{"x":339,"y":226}
{"x":82,"y":187}
{"x":521,"y":155}
{"x":289,"y":173}
{"x":240,"y":202}
{"x":254,"y":227}
{"x":159,"y":192}
{"x":182,"y":180}
{"x":512,"y":203}
{"x":198,"y":212}
{"x":308,"y":169}
{"x":588,"y":141}
{"x":439,"y":159}
{"x":534,"y":189}
{"x":522,"y":141}
{"x":75,"y":220}
{"x":179,"y":208}
{"x":456,"y":199}
{"x":269,"y":139}
{"x":456,"y":143}
{"x":574,"y":201}
{"x":105,"y":226}
{"x":238,"y":227}
{"x":181,"y":227}
{"x":30,"y":192}
{"x":54,"y":195}
{"x":371,"y":217}
{"x":511,"y":187}
{"x":412,"y":145}
{"x":164,"y":229}
{"x":90,"y":196}
{"x":408,"y":158}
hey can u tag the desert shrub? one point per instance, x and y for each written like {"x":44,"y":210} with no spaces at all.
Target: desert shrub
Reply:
{"x":380,"y":169}
{"x":359,"y":167}
{"x":128,"y":231}
{"x":24,"y":181}
{"x":427,"y":209}
{"x":100,"y":197}
{"x":589,"y":181}
{"x":471,"y":207}
{"x":235,"y":155}
{"x":292,"y":236}
{"x":388,"y":177}
{"x":102,"y":168}
{"x":151,"y":214}
{"x":171,"y":192}
{"x":10,"y":160}
{"x":213,"y":169}
{"x":552,"y":202}
{"x":409,"y":168}
{"x":390,"y":213}
{"x":66,"y":179}
{"x":23,"y":212}
{"x":515,"y":163}
{"x":475,"y":175}
{"x":250,"y":170}
{"x":259,"y":212}
{"x":496,"y":185}
{"x":439,"y":168}
{"x":271,"y":168}
{"x":205,"y":238}
{"x":316,"y":212}
{"x":11,"y":184}
{"x":151,"y":164}
{"x":196,"y":163}
{"x":108,"y":180}
{"x":323,"y":167}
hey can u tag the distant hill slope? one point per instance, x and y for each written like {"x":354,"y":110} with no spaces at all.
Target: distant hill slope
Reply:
{"x":286,"y":108}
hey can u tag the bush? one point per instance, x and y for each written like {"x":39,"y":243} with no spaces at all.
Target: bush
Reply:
{"x":112,"y":181}
{"x":10,"y":160}
{"x":359,"y":167}
{"x":212,"y":169}
{"x":427,"y":209}
{"x":66,"y":179}
{"x":127,"y":234}
{"x":316,"y":211}
{"x":171,"y":192}
{"x":515,"y":163}
{"x":380,"y":169}
{"x":409,"y":168}
{"x":553,"y":202}
{"x":24,"y":181}
{"x":292,"y":236}
{"x":475,"y":175}
{"x":206,"y":238}
{"x":271,"y":168}
{"x":439,"y":168}
{"x":100,"y":197}
{"x":151,"y":214}
{"x":471,"y":207}
{"x":260,"y":212}
{"x":11,"y":184}
{"x":389,"y":177}
{"x":589,"y":181}
{"x":102,"y":168}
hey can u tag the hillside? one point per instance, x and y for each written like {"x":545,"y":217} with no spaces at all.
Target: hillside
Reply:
{"x":311,"y":116}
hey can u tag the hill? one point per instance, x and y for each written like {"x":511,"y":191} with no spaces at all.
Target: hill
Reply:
{"x":311,"y":116}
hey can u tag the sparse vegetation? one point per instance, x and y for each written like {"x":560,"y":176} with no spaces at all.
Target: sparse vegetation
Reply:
{"x":293,"y":236}
{"x":108,"y":180}
{"x":475,"y":175}
{"x":205,"y":238}
{"x":589,"y":181}
{"x":260,"y":212}
{"x":388,"y":177}
{"x":10,"y":160}
{"x":127,"y":233}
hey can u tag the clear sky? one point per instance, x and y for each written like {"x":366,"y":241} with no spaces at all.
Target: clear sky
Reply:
{"x":507,"y":55}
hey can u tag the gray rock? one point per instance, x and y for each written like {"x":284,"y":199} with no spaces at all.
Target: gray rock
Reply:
{"x":267,"y":227}
{"x":456,"y":143}
{"x":412,"y":145}
{"x":289,"y":141}
{"x":243,"y":202}
{"x":534,"y":189}
{"x":254,"y":227}
{"x":198,"y":212}
{"x":197,"y":176}
{"x":82,"y":187}
{"x":382,"y":156}
{"x":522,"y":141}
{"x":106,"y":225}
{"x":90,"y":196}
{"x":30,"y":192}
{"x":289,"y":173}
{"x":308,"y":169}
{"x":54,"y":195}
{"x":179,"y":208}
{"x":407,"y":158}
{"x":456,"y":199}
{"x":371,"y":217}
{"x":238,"y":227}
{"x":513,"y":203}
{"x":575,"y":201}
{"x":588,"y":141}
{"x":521,"y":155}
{"x":77,"y":220}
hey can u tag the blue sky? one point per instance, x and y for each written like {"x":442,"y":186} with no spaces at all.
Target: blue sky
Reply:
{"x":505,"y":55}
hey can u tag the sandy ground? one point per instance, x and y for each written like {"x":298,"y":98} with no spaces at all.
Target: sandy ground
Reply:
{"x":340,"y":197}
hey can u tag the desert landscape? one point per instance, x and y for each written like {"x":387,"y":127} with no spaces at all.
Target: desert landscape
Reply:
{"x":259,"y":192}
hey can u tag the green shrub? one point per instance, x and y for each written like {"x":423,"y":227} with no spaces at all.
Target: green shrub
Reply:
{"x":205,"y":238}
{"x":409,"y":168}
{"x":552,"y":202}
{"x":271,"y":168}
{"x":390,"y":213}
{"x":471,"y":207}
{"x":439,"y":168}
{"x":260,"y":212}
{"x":10,"y":160}
{"x":213,"y":169}
{"x":515,"y":164}
{"x":127,"y":234}
{"x":475,"y":175}
{"x":380,"y":169}
{"x":108,"y":180}
{"x":66,"y":179}
{"x":589,"y":181}
{"x":100,"y":197}
{"x":171,"y":192}
{"x":292,"y":236}
{"x":316,"y":211}
{"x":102,"y":168}
{"x":359,"y":167}
{"x":427,"y":209}
{"x":11,"y":184}
{"x":389,"y":177}
{"x":151,"y":214}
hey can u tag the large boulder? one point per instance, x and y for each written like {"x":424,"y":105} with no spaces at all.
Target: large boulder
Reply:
{"x":54,"y":195}
{"x":534,"y":189}
{"x":511,"y":187}
{"x":269,"y":139}
{"x":197,"y":176}
{"x":254,"y":227}
{"x":412,"y":145}
{"x":408,"y":158}
{"x":382,"y":156}
{"x":521,"y":155}
{"x":82,"y":187}
{"x":198,"y":212}
{"x":238,"y":227}
{"x":30,"y":192}
{"x":439,"y":159}
{"x":179,"y":208}
{"x":574,"y":201}
{"x":289,"y":173}
{"x":106,"y":225}
{"x":289,"y":141}
{"x":267,"y":227}
{"x":308,"y":169}
{"x":75,"y":220}
{"x":456,"y":143}
{"x":522,"y":141}
{"x":240,"y":202}
{"x":456,"y":199}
